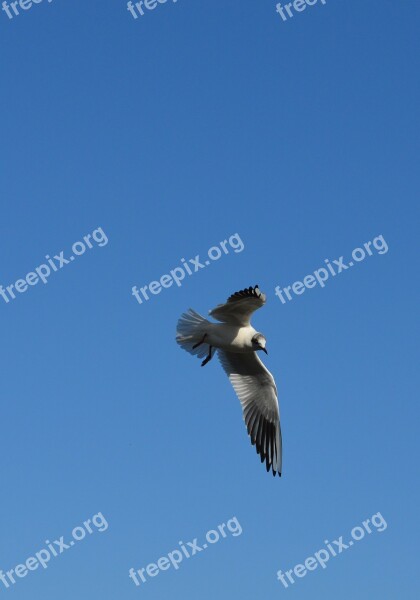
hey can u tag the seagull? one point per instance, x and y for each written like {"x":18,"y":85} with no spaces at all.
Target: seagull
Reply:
{"x":237,"y":343}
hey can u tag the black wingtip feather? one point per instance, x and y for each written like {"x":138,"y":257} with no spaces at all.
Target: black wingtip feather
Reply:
{"x":267,"y":453}
{"x":245,"y":293}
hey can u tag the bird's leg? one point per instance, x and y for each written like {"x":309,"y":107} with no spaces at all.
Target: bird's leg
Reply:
{"x":199,"y":343}
{"x":208,"y":357}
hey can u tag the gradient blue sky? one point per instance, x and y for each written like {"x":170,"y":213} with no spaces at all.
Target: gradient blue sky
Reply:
{"x":172,"y":132}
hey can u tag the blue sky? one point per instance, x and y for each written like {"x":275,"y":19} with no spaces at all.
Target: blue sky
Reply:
{"x":173,"y":132}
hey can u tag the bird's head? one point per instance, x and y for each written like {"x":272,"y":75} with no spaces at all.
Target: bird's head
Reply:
{"x":259,"y":342}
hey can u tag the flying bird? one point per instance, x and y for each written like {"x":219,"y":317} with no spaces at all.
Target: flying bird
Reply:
{"x":237,"y":343}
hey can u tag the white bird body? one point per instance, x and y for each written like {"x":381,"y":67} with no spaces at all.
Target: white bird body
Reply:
{"x":237,"y":343}
{"x":231,"y":338}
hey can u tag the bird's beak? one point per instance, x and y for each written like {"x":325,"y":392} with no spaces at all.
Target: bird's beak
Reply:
{"x":264,"y":350}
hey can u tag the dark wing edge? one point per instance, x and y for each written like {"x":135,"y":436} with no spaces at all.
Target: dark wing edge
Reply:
{"x":251,"y":292}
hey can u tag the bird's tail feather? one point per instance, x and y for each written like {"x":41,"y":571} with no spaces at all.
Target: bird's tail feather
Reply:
{"x":190,"y":331}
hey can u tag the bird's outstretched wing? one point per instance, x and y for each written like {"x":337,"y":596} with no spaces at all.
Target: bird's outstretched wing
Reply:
{"x":255,"y":387}
{"x":239,"y":307}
